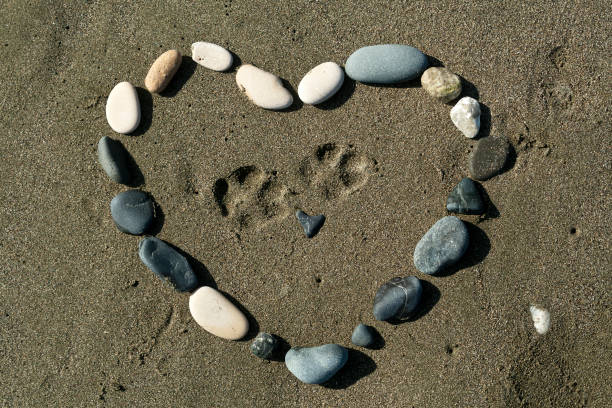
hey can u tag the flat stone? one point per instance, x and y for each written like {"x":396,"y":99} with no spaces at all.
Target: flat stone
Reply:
{"x":442,"y":246}
{"x":113,"y":158}
{"x":163,"y":69}
{"x":465,"y":198}
{"x":132,"y":211}
{"x":488,"y":157}
{"x":123,"y":108}
{"x":311,"y":223}
{"x":363,"y":336}
{"x":167,"y":263}
{"x":386,"y":64}
{"x":441,"y":83}
{"x":217,"y":315}
{"x":466,"y":116}
{"x":211,"y":56}
{"x":397,"y":298}
{"x":264,"y":89}
{"x":321,"y":83}
{"x":264,"y":345}
{"x":315,"y":365}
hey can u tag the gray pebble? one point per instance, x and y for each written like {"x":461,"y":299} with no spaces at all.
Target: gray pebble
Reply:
{"x":397,"y":298}
{"x":167,"y":263}
{"x":114,"y":159}
{"x":363,"y":336}
{"x":264,"y":345}
{"x":132,"y":211}
{"x":311,"y":223}
{"x":465,"y":198}
{"x":315,"y":365}
{"x":488,"y":157}
{"x":386,"y":64}
{"x":443,"y":245}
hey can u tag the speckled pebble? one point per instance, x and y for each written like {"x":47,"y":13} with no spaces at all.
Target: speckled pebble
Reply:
{"x":442,"y":246}
{"x":264,"y":345}
{"x":441,"y":83}
{"x":488,"y":157}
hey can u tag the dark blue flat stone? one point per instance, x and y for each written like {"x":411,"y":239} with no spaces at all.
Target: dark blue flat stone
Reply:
{"x":442,"y":246}
{"x":167,"y":263}
{"x":132,"y":211}
{"x":386,"y":64}
{"x":465,"y":198}
{"x":398,"y":298}
{"x":311,"y":223}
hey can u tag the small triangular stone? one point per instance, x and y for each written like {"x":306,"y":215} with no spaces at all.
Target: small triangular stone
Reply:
{"x":465,"y":198}
{"x":311,"y":223}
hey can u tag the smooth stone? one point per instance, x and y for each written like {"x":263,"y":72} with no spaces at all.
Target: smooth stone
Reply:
{"x":386,"y":64}
{"x":114,"y":159}
{"x":132,"y":211}
{"x":264,"y":89}
{"x":541,"y":319}
{"x":163,"y":69}
{"x":315,"y":365}
{"x":397,"y":298}
{"x":363,"y":336}
{"x":488,"y":157}
{"x":167,"y":263}
{"x":321,"y":83}
{"x":211,"y":56}
{"x":466,"y":116}
{"x":123,"y":108}
{"x":264,"y":345}
{"x":441,"y":83}
{"x":217,"y":315}
{"x":311,"y":223}
{"x":465,"y":198}
{"x":442,"y":246}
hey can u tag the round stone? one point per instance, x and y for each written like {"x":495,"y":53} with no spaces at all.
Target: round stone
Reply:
{"x":441,"y":83}
{"x":465,"y":198}
{"x":167,"y":263}
{"x":442,"y":246}
{"x":363,"y":336}
{"x":466,"y":116}
{"x":386,"y":64}
{"x":123,"y":108}
{"x":321,"y":83}
{"x":163,"y":69}
{"x":132,"y":211}
{"x":217,"y":315}
{"x":264,"y":345}
{"x":397,"y":298}
{"x":488,"y":157}
{"x":114,"y":160}
{"x":264,"y":89}
{"x":211,"y":56}
{"x":315,"y":365}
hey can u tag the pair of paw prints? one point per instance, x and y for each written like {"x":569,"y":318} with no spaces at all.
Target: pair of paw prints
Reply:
{"x":253,"y":198}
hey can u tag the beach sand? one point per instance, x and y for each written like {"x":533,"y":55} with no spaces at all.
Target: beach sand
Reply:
{"x":84,"y":323}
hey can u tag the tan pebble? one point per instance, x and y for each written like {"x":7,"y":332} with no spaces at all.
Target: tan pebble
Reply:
{"x":441,"y":83}
{"x":162,"y":71}
{"x":217,"y":315}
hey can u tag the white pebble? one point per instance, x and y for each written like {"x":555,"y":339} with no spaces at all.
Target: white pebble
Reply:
{"x":211,"y":56}
{"x":123,"y":108}
{"x":264,"y":89}
{"x":321,"y":83}
{"x":217,"y":315}
{"x":466,"y":116}
{"x":541,"y":319}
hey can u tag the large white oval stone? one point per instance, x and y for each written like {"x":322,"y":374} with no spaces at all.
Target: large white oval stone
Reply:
{"x":123,"y":108}
{"x":217,"y":315}
{"x":264,"y":89}
{"x":321,"y":83}
{"x":211,"y":56}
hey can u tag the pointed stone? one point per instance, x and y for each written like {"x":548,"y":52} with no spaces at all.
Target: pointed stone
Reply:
{"x":363,"y":336}
{"x":315,"y":365}
{"x":465,"y":198}
{"x":397,"y":298}
{"x":311,"y":223}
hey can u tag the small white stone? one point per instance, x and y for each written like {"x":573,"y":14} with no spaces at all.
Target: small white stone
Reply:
{"x":217,"y":315}
{"x":466,"y":116}
{"x":321,"y":83}
{"x":541,"y":319}
{"x":264,"y":89}
{"x":211,"y":56}
{"x":123,"y":108}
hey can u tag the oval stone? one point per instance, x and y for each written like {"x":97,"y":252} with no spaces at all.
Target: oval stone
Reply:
{"x":163,"y":69}
{"x":441,"y":83}
{"x":386,"y":64}
{"x":211,"y":56}
{"x":466,"y":116}
{"x":264,"y":89}
{"x":123,"y":108}
{"x":442,"y":246}
{"x":217,"y":315}
{"x":315,"y":365}
{"x":488,"y":157}
{"x":167,"y":263}
{"x":132,"y":211}
{"x":321,"y":83}
{"x":397,"y":298}
{"x":113,"y":158}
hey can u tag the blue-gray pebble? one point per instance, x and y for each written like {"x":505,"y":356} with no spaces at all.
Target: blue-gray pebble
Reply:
{"x":363,"y":336}
{"x":113,"y":158}
{"x":315,"y":365}
{"x":132,"y":211}
{"x":442,"y":246}
{"x":465,"y":198}
{"x":167,"y":263}
{"x":386,"y":64}
{"x":310,"y":223}
{"x":264,"y":345}
{"x":397,"y":298}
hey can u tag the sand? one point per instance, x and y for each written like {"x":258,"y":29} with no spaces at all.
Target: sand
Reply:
{"x":85,"y":323}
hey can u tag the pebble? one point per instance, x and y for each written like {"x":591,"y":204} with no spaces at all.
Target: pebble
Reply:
{"x":311,"y":223}
{"x":163,"y":69}
{"x":264,"y":89}
{"x":132,"y":211}
{"x":386,"y":64}
{"x":123,"y":108}
{"x":466,"y":116}
{"x":488,"y":157}
{"x":541,"y":319}
{"x":321,"y":83}
{"x":217,"y":315}
{"x":167,"y":263}
{"x":264,"y":345}
{"x":363,"y":336}
{"x":315,"y":365}
{"x":398,"y":298}
{"x":113,"y":158}
{"x":443,"y":245}
{"x":465,"y":198}
{"x":441,"y":83}
{"x":211,"y":56}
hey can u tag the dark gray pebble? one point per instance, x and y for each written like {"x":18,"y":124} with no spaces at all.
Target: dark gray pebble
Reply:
{"x":132,"y":211}
{"x":488,"y":157}
{"x":363,"y":336}
{"x":167,"y":263}
{"x":443,"y":245}
{"x":311,"y":223}
{"x":114,"y":159}
{"x":465,"y":198}
{"x":398,"y":298}
{"x":264,"y":345}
